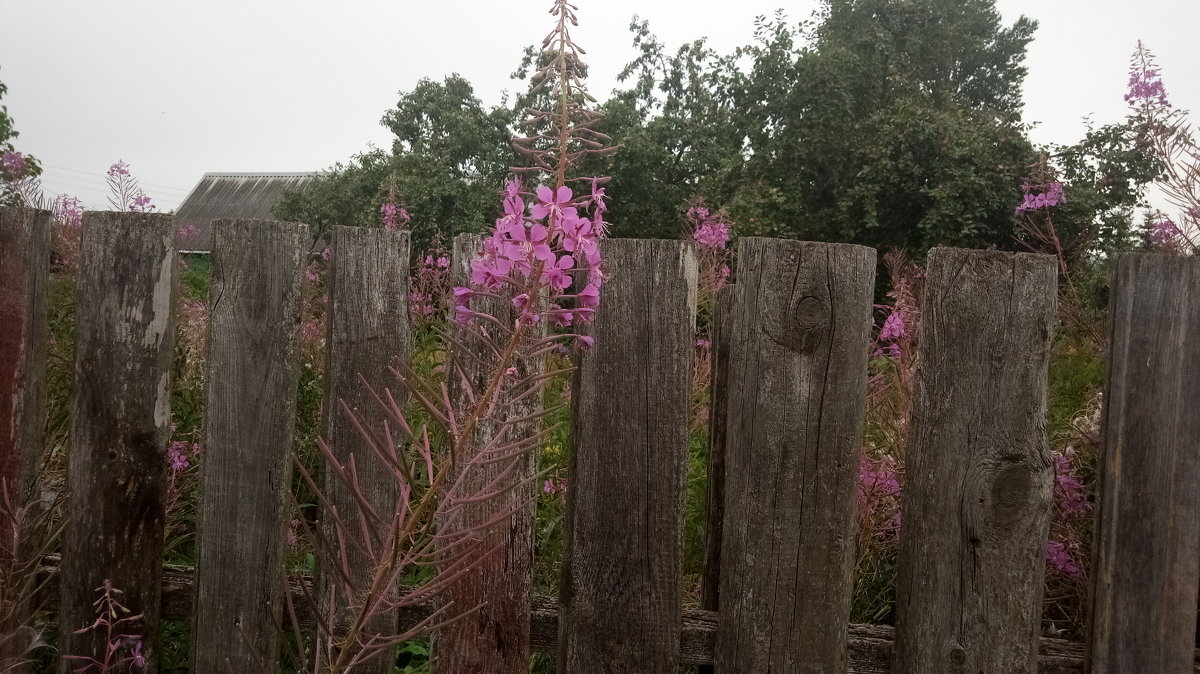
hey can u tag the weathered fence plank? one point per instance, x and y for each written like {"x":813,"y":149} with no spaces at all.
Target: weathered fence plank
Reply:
{"x":797,"y":402}
{"x":1147,"y":553}
{"x":120,"y":422}
{"x":244,"y":504}
{"x":368,"y":331}
{"x":24,"y":277}
{"x":494,"y":638}
{"x":978,"y":491}
{"x":631,"y":396}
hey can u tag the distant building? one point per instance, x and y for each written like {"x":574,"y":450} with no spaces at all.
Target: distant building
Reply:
{"x":231,"y":195}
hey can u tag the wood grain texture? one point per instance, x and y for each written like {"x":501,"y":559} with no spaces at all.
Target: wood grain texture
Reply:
{"x":624,"y":524}
{"x":1147,"y":554}
{"x":495,"y":638}
{"x":797,"y":401}
{"x":120,"y":420}
{"x":368,"y":331}
{"x":978,"y":491}
{"x":244,"y":503}
{"x":870,"y":645}
{"x":24,"y":278}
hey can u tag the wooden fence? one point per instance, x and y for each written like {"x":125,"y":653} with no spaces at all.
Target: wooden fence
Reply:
{"x":789,"y":401}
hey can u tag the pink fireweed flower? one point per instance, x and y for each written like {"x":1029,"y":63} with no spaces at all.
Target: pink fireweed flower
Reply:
{"x":1069,"y":491}
{"x":551,"y":203}
{"x":534,"y":254}
{"x":141,"y":203}
{"x":557,"y":272}
{"x":1041,"y":197}
{"x":68,"y":211}
{"x":893,"y":327}
{"x":13,"y":163}
{"x":1059,"y":558}
{"x":1145,"y":81}
{"x":712,"y":234}
{"x":177,"y":455}
{"x":118,"y":170}
{"x":1165,"y":235}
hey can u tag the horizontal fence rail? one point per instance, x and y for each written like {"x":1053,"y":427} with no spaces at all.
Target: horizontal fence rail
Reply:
{"x":870,"y":647}
{"x":790,"y":356}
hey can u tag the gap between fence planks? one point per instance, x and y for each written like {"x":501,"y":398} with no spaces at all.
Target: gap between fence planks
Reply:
{"x":631,"y":396}
{"x":1146,"y":563}
{"x":797,"y":387}
{"x":367,"y":331}
{"x":120,"y":419}
{"x":495,"y":637}
{"x":24,"y":279}
{"x":978,"y":492}
{"x":244,"y":504}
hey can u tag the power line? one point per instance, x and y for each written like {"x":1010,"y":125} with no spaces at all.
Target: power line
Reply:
{"x":92,"y":174}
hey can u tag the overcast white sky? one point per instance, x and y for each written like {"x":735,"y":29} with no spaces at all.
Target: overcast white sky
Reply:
{"x":180,"y":88}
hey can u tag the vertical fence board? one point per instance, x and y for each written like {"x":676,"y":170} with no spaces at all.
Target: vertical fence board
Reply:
{"x":1147,"y":553}
{"x":978,"y":490}
{"x":797,"y":401}
{"x":24,"y":277}
{"x":368,"y":331}
{"x":620,"y":609}
{"x":119,"y":425}
{"x":252,"y":376}
{"x":495,"y":638}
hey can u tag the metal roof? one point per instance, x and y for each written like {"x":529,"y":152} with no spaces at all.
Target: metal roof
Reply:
{"x":231,"y":195}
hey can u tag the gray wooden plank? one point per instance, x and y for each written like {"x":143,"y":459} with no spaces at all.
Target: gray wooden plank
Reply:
{"x":368,"y":332}
{"x":797,"y":402}
{"x":1146,"y":563}
{"x":620,"y":590}
{"x":978,"y":491}
{"x":120,"y":420}
{"x":24,"y":278}
{"x":494,"y":638}
{"x":244,"y":504}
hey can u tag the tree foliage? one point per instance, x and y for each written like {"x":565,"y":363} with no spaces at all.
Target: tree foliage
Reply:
{"x":448,"y":160}
{"x":879,"y":122}
{"x":16,"y":189}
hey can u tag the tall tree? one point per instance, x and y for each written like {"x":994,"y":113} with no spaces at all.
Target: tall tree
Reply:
{"x":448,"y":161}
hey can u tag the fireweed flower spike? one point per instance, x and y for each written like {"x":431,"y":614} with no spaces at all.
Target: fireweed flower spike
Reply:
{"x":542,"y":259}
{"x":1164,"y":134}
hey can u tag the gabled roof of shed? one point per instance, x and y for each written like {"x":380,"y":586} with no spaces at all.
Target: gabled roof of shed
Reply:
{"x":231,"y":195}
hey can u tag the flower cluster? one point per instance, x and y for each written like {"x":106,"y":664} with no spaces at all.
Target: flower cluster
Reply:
{"x":1069,"y":491}
{"x":393,"y":217}
{"x":1059,"y":558}
{"x":1145,"y":82}
{"x":552,"y":486}
{"x":126,"y":195}
{"x":427,"y":286}
{"x":532,"y":253}
{"x":708,"y":230}
{"x":13,"y":164}
{"x":1039,"y":197}
{"x":878,"y":494}
{"x":68,"y":211}
{"x":711,"y":232}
